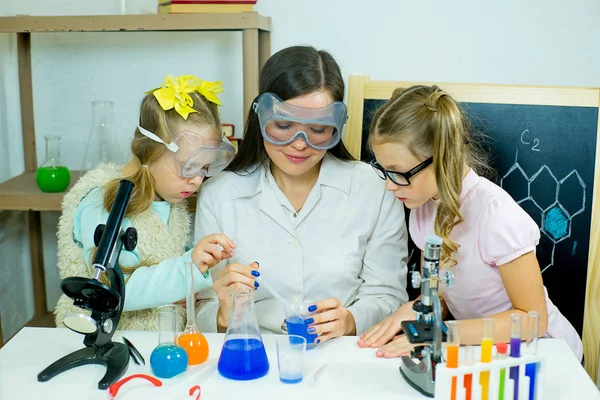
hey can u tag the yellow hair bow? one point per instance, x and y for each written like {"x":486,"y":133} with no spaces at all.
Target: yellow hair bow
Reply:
{"x":174,"y":93}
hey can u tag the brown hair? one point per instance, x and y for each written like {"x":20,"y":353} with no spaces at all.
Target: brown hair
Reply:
{"x":290,"y":73}
{"x":164,"y":124}
{"x":430,"y":123}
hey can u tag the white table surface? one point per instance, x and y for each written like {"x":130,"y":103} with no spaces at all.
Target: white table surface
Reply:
{"x":352,"y":373}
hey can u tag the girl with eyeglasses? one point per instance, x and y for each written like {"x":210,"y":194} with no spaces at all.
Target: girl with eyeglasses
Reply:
{"x":424,"y":151}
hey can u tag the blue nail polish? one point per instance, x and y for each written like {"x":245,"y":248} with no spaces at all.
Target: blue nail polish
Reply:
{"x":318,"y":341}
{"x":255,"y":273}
{"x":309,"y":321}
{"x":256,"y":284}
{"x":310,"y":329}
{"x":312,"y":308}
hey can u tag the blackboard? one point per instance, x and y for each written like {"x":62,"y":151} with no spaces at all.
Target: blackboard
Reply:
{"x":545,"y":157}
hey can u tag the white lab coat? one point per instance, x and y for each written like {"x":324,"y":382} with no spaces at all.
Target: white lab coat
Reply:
{"x":348,"y":241}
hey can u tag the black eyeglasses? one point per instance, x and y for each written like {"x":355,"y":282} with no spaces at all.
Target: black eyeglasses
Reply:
{"x":400,"y":178}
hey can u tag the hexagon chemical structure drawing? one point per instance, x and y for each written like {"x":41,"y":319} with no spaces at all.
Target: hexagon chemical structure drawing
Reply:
{"x":557,"y":211}
{"x":556,"y":223}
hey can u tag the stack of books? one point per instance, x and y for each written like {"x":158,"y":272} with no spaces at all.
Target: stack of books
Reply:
{"x":205,"y":6}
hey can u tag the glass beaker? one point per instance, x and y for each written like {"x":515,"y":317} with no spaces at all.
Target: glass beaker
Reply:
{"x":296,"y":315}
{"x":103,"y":146}
{"x":243,"y":356}
{"x":191,"y":339}
{"x":167,"y":359}
{"x":52,"y":176}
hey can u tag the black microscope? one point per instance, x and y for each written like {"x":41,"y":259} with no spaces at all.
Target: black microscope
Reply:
{"x":429,"y":328}
{"x":105,"y":302}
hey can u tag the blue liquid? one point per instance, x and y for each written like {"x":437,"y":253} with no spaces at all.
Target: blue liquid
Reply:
{"x":530,"y":371}
{"x":515,"y":352}
{"x":297,"y":326}
{"x":295,"y":380}
{"x":168,"y":361}
{"x":243,"y":359}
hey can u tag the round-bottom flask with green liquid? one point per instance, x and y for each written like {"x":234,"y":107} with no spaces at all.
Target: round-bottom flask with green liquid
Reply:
{"x":51,"y":176}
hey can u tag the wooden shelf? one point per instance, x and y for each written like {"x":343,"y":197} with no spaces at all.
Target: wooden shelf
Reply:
{"x":21,"y":193}
{"x":133,"y":23}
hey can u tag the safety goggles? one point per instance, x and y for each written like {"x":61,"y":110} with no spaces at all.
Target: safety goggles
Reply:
{"x":282,"y":123}
{"x":192,"y":154}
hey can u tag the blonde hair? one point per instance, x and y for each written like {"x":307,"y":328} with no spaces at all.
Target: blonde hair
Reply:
{"x":164,"y":124}
{"x":430,"y":123}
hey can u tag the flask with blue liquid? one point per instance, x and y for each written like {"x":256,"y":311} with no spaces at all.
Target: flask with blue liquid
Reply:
{"x":243,"y":356}
{"x":168,"y":359}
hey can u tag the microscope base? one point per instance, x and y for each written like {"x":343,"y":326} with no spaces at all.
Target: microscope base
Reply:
{"x":418,"y":376}
{"x":114,"y":356}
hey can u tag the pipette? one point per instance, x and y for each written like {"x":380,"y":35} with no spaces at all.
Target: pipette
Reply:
{"x":266,"y":283}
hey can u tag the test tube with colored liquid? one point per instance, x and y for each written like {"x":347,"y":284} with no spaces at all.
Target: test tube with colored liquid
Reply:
{"x":515,"y":349}
{"x":533,"y":329}
{"x":502,"y":348}
{"x":487,"y":342}
{"x":453,"y":344}
{"x":469,"y":361}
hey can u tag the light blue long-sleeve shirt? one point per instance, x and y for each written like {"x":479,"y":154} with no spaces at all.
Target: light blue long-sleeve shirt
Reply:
{"x":148,"y":286}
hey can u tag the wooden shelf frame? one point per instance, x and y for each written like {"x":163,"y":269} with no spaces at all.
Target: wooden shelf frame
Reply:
{"x":21,"y":192}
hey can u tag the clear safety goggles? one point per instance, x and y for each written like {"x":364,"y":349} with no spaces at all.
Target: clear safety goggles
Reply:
{"x":282,"y":123}
{"x":192,"y":154}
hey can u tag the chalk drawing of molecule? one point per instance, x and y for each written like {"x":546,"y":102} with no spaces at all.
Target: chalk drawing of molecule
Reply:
{"x":545,"y":205}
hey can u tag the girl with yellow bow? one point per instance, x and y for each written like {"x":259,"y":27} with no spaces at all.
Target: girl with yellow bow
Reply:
{"x":177,"y":143}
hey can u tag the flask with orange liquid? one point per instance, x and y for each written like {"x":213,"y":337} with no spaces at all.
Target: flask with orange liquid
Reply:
{"x":191,"y":339}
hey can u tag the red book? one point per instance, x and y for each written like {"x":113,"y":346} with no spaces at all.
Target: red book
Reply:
{"x":166,"y":2}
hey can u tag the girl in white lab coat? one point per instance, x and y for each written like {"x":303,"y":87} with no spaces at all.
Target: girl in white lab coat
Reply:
{"x":319,"y":223}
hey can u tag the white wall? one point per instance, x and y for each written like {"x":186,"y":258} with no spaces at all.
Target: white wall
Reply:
{"x":541,"y":42}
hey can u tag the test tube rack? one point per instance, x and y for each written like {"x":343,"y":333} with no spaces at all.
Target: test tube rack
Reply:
{"x":444,"y":375}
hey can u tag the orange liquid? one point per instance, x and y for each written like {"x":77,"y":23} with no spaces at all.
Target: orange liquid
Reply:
{"x":484,"y":376}
{"x":452,"y":362}
{"x":195,"y":346}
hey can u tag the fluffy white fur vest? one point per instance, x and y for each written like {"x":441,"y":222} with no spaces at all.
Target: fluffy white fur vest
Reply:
{"x":156,"y":242}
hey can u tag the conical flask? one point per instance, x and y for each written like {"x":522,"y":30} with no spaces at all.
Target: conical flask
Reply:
{"x":191,"y":339}
{"x":104,"y":145}
{"x":243,"y":356}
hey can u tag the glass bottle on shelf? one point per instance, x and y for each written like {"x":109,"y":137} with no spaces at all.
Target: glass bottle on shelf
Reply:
{"x":52,"y":176}
{"x":191,"y":339}
{"x":103,"y":145}
{"x":167,"y":359}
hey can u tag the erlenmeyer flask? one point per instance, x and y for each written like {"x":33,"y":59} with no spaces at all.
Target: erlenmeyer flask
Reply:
{"x":103,"y":144}
{"x":52,"y":176}
{"x":191,"y":339}
{"x":167,"y":359}
{"x":243,"y":356}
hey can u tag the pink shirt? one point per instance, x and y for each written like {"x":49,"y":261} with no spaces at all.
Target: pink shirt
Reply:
{"x":495,"y":231}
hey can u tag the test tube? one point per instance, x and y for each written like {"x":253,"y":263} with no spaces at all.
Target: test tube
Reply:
{"x":515,"y":349}
{"x":453,"y":344}
{"x":501,"y":349}
{"x":469,"y":361}
{"x":533,"y":331}
{"x":487,"y":342}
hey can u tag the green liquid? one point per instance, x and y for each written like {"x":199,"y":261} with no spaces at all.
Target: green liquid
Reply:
{"x":502,"y":377}
{"x":53,"y":179}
